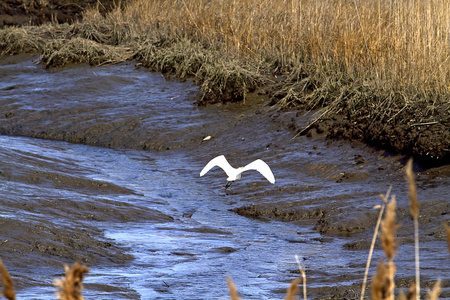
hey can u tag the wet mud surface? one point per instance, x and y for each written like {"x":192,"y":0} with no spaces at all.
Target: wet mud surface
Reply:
{"x":58,"y":209}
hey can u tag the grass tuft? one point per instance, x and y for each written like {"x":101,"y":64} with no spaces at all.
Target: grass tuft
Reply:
{"x":61,"y":52}
{"x":17,"y":40}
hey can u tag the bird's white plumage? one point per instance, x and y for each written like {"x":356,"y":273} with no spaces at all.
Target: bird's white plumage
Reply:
{"x":235,"y":174}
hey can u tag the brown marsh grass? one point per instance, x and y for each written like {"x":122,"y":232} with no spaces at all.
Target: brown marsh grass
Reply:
{"x":386,"y":54}
{"x":386,"y":44}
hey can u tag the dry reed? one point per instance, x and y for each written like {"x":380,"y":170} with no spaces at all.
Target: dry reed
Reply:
{"x":374,"y":237}
{"x":71,"y":286}
{"x":414,"y":207}
{"x":433,"y":294}
{"x":369,"y":38}
{"x":232,"y":288}
{"x":389,"y":229}
{"x":293,"y":290}
{"x":303,"y":276}
{"x":8,"y":283}
{"x":383,"y":282}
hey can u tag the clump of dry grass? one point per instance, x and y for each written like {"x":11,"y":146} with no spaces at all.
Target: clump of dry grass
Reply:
{"x":18,"y":40}
{"x":61,"y":52}
{"x":8,"y":283}
{"x":71,"y":286}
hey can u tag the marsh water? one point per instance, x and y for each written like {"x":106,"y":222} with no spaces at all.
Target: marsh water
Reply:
{"x":101,"y":166}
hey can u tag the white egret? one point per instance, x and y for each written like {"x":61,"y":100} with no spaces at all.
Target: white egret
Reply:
{"x":235,"y":174}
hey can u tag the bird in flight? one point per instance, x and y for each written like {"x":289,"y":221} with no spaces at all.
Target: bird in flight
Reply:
{"x":235,"y":173}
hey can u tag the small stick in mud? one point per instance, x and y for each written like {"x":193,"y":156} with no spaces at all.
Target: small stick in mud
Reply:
{"x":447,"y":229}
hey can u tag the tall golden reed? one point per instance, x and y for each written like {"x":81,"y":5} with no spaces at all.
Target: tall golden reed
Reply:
{"x":8,"y":286}
{"x":71,"y":286}
{"x":399,"y":43}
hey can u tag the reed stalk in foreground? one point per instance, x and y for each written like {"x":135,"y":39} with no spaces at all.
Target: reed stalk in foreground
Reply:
{"x":8,"y":287}
{"x":374,"y":238}
{"x":71,"y":285}
{"x":303,"y":276}
{"x":383,"y":283}
{"x":233,"y":290}
{"x":434,"y":293}
{"x":414,"y":206}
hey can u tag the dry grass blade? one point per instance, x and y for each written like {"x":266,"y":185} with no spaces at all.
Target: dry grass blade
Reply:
{"x":293,"y":290}
{"x":71,"y":285}
{"x":303,"y":276}
{"x":434,"y":293}
{"x":233,"y":290}
{"x":8,"y":288}
{"x":372,"y":245}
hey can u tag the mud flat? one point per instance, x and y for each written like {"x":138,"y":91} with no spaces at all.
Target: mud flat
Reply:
{"x":321,"y":204}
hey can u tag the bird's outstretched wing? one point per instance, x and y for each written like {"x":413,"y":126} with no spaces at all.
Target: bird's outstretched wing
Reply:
{"x":262,"y":168}
{"x":219,"y":161}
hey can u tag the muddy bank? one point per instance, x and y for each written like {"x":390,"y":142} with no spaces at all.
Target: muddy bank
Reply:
{"x":22,"y":12}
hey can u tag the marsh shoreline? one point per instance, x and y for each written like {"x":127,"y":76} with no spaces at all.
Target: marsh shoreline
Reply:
{"x":413,"y":132}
